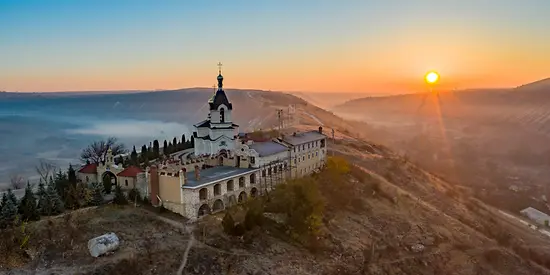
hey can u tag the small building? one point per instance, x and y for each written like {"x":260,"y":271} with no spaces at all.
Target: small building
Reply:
{"x":126,"y":177}
{"x":536,"y":215}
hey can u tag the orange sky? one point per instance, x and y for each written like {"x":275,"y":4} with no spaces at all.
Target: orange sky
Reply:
{"x":317,"y":46}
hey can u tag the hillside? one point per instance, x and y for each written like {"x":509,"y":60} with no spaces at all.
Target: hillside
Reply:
{"x":384,"y":215}
{"x":489,"y":140}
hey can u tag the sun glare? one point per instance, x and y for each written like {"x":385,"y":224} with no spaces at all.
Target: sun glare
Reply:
{"x":432,"y":77}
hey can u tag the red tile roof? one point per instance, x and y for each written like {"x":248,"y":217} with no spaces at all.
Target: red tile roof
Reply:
{"x":88,"y":169}
{"x":130,"y":171}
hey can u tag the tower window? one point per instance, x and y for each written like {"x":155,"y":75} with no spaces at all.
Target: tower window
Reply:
{"x":222,"y":115}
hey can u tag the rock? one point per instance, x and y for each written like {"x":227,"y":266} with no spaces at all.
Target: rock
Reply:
{"x":417,"y":248}
{"x":103,"y":244}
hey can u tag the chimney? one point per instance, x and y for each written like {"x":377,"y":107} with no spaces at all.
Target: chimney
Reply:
{"x":197,"y":173}
{"x":184,"y":172}
{"x":154,"y":184}
{"x":320,"y":129}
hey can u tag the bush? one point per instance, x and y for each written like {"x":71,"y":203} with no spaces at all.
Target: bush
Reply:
{"x":228,"y":223}
{"x":119,"y":198}
{"x":301,"y":201}
{"x":134,"y":196}
{"x":254,"y":214}
{"x":97,"y":196}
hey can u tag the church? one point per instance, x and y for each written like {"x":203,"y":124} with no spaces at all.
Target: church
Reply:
{"x":217,"y":132}
{"x":225,"y":167}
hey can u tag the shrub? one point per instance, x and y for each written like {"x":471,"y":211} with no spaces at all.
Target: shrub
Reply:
{"x":97,"y":196}
{"x":228,"y":223}
{"x":119,"y":198}
{"x":239,"y":229}
{"x":134,"y":196}
{"x":254,"y":214}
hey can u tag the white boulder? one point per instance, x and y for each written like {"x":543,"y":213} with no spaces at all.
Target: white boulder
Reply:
{"x":103,"y":244}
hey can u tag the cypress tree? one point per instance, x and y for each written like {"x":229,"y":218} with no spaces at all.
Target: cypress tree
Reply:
{"x":175,"y":145}
{"x":134,"y":156}
{"x":165,"y":148}
{"x":9,"y":210}
{"x":27,"y":207}
{"x":72,"y":175}
{"x":156,"y":149}
{"x":11,"y":197}
{"x":107,"y":184}
{"x":183,"y":142}
{"x":143,"y":154}
{"x":192,"y":142}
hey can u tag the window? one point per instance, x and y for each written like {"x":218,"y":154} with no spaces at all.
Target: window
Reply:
{"x":263,"y":173}
{"x":230,"y":186}
{"x":269,"y":171}
{"x":316,"y":153}
{"x":217,"y":189}
{"x":203,"y":194}
{"x":252,"y":160}
{"x":241,"y":182}
{"x":303,"y":146}
{"x":87,"y":179}
{"x":126,"y":182}
{"x":308,"y":156}
{"x":252,"y":179}
{"x":222,"y":115}
{"x":304,"y":158}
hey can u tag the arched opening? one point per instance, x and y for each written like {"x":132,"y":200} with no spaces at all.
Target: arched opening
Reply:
{"x":126,"y":182}
{"x":217,"y":189}
{"x":232,"y":201}
{"x":222,"y":115}
{"x":252,"y":178}
{"x":203,"y":194}
{"x":109,"y":177}
{"x":218,"y":206}
{"x":204,"y":210}
{"x":241,"y":182}
{"x":230,"y":185}
{"x":253,"y":192}
{"x":242,"y":197}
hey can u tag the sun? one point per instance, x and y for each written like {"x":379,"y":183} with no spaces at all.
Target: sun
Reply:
{"x":432,"y":77}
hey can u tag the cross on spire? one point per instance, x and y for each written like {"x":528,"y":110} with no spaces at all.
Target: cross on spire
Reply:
{"x":220,"y":67}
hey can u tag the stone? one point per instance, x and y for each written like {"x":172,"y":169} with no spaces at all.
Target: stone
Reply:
{"x":102,"y":244}
{"x":417,"y":248}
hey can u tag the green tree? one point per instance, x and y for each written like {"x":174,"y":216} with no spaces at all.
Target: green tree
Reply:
{"x":9,"y":210}
{"x":28,"y":208}
{"x":11,"y":197}
{"x":228,"y":223}
{"x":192,"y":142}
{"x":143,"y":154}
{"x":56,"y":203}
{"x":170,"y":148}
{"x":119,"y":198}
{"x":156,"y":149}
{"x":183,"y":142}
{"x":97,"y":196}
{"x":107,"y":184}
{"x":61,"y":183}
{"x":72,"y":175}
{"x":134,"y":157}
{"x":134,"y":196}
{"x":165,"y":148}
{"x":174,"y":145}
{"x":254,"y":214}
{"x":44,"y":204}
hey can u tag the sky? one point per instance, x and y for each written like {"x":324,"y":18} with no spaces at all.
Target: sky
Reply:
{"x":284,"y":45}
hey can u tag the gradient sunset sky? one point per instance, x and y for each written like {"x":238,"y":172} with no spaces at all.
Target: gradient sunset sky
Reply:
{"x":297,"y":45}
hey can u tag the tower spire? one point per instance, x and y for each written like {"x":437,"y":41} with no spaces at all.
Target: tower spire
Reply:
{"x":220,"y":68}
{"x":220,"y":77}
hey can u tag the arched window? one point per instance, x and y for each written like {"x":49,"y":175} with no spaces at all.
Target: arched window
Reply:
{"x":241,"y":182}
{"x":126,"y":182}
{"x":222,"y":115}
{"x":230,"y":186}
{"x":203,"y":194}
{"x":252,"y":178}
{"x":217,"y":189}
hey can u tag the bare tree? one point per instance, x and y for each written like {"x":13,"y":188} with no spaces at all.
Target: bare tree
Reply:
{"x":45,"y":169}
{"x":17,"y":181}
{"x":97,"y":150}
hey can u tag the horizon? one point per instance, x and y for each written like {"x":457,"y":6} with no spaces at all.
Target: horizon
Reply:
{"x":311,"y":46}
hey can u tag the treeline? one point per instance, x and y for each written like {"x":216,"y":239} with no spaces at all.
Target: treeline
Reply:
{"x":153,"y":151}
{"x":60,"y":193}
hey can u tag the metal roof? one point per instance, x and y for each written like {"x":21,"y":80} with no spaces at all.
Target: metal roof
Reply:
{"x":304,"y":137}
{"x":267,"y":148}
{"x":213,"y":175}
